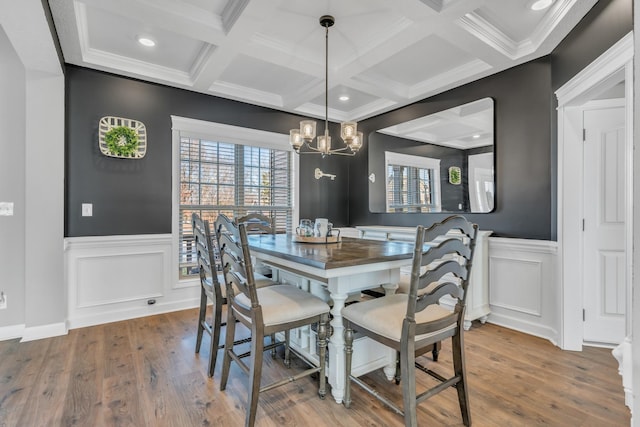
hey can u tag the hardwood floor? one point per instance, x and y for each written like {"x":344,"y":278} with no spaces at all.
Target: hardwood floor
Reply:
{"x":144,"y":372}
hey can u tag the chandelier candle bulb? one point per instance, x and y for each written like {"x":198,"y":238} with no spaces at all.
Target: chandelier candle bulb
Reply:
{"x":324,"y":144}
{"x":348,"y":130}
{"x":356,"y":142}
{"x":308,"y":130}
{"x":296,"y":139}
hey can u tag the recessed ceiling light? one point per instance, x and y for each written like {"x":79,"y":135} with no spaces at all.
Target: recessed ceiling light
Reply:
{"x":476,"y":136}
{"x":146,"y":41}
{"x":344,"y":98}
{"x":540,"y":4}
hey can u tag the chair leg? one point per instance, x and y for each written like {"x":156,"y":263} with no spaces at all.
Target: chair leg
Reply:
{"x":457,"y":346}
{"x":408,"y":370}
{"x":228,"y":347}
{"x":215,"y":336}
{"x":255,"y":372}
{"x":436,"y":350}
{"x":287,"y":352}
{"x":201,"y":318}
{"x":398,"y":370}
{"x":348,"y":353}
{"x":273,"y":350}
{"x":322,"y":352}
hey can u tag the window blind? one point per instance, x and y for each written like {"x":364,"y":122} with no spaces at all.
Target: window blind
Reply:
{"x":232,"y":179}
{"x":409,"y":189}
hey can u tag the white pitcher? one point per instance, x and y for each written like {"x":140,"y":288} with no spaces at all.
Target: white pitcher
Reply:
{"x":321,"y":227}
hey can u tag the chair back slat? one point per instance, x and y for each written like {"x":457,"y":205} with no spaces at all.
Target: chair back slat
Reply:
{"x":441,"y":289}
{"x":451,"y":266}
{"x":454,"y":222}
{"x":450,"y":245}
{"x":225,"y":226}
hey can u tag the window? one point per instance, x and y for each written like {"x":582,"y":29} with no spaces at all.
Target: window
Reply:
{"x":217,"y":176}
{"x":412,"y":183}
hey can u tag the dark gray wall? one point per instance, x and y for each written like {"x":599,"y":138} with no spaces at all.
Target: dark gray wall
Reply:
{"x":134,"y":196}
{"x":525,"y":131}
{"x":606,"y":23}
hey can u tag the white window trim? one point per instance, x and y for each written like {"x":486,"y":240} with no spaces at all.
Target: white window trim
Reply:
{"x":225,"y":133}
{"x":420,"y":162}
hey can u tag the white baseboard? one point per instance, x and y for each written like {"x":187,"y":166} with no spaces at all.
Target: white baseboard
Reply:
{"x":524,"y":326}
{"x":45,"y":331}
{"x":11,"y":332}
{"x":131,"y":313}
{"x":623,"y":354}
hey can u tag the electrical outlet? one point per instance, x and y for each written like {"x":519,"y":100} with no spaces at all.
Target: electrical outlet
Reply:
{"x":87,"y":209}
{"x":6,"y":208}
{"x":3,"y":300}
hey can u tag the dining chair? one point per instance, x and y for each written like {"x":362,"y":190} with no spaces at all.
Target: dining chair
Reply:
{"x":211,"y":290}
{"x":264,"y":311}
{"x":257,"y":223}
{"x":411,"y":323}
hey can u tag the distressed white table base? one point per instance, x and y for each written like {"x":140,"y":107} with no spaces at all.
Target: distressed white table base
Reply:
{"x":368,"y":355}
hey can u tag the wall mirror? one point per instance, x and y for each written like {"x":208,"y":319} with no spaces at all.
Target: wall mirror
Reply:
{"x":443,"y":162}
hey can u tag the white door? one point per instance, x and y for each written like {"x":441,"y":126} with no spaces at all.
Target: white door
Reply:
{"x":604,"y":226}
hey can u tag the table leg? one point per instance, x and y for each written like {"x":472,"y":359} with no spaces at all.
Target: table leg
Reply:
{"x":336,"y":367}
{"x":390,"y":369}
{"x":390,"y":288}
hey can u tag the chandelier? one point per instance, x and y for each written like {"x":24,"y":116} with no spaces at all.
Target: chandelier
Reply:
{"x":302,"y":139}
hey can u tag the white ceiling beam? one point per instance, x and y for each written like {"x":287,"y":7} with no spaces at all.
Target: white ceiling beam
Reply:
{"x":255,"y":13}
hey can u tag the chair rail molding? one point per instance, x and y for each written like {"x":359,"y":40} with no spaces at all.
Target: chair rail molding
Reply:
{"x":112,"y":278}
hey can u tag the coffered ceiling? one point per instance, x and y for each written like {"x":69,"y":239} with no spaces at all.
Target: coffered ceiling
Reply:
{"x":382,"y":54}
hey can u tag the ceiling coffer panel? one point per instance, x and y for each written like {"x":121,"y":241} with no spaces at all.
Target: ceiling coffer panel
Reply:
{"x":383,"y":54}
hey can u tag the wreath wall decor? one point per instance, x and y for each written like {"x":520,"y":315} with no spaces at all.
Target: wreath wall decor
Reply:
{"x":455,"y":175}
{"x":122,"y":138}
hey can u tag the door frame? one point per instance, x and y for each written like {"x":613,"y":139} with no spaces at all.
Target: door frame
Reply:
{"x":613,"y":66}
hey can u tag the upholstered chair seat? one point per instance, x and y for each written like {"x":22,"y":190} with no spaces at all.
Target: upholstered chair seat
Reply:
{"x":384,"y":316}
{"x":284,"y":304}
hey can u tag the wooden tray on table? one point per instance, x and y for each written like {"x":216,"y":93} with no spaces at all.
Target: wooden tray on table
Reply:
{"x":306,"y":239}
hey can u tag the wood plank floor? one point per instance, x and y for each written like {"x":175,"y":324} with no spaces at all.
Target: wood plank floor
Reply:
{"x":144,"y":372}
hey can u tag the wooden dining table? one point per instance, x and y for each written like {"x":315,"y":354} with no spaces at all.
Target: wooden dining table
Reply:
{"x":344,"y":269}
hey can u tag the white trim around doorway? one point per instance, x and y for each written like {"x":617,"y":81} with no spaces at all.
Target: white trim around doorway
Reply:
{"x":615,"y":65}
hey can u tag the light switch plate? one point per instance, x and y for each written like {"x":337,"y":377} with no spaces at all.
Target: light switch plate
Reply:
{"x":6,"y":208}
{"x":87,"y":209}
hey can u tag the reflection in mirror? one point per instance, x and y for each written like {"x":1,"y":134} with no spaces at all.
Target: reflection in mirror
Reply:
{"x":443,"y":162}
{"x":413,"y":183}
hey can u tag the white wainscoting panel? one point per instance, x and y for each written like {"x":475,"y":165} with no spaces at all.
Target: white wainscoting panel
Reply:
{"x":119,"y":277}
{"x":112,"y":278}
{"x":523,"y":286}
{"x":526,"y":296}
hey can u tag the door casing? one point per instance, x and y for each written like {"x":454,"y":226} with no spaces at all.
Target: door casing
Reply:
{"x":612,"y":67}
